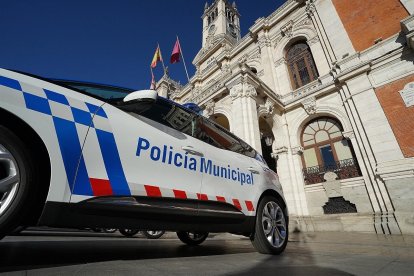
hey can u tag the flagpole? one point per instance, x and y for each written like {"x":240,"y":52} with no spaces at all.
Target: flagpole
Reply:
{"x":181,"y":53}
{"x":152,"y":79}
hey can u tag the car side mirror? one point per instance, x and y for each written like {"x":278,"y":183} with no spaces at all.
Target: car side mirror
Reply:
{"x":138,"y":101}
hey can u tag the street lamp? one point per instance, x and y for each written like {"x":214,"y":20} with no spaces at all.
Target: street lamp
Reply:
{"x":268,"y":141}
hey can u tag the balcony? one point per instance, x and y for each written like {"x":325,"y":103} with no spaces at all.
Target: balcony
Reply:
{"x":347,"y":168}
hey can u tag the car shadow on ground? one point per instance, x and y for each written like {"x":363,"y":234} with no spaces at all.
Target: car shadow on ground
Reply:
{"x":25,"y":255}
{"x":28,"y":252}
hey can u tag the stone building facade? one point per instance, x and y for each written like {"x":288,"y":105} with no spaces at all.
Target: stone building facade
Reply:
{"x":325,"y":90}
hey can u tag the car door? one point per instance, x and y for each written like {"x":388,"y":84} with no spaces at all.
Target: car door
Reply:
{"x":228,"y":175}
{"x":149,"y":155}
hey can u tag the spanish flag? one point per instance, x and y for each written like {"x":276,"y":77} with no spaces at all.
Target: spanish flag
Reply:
{"x":157,"y":57}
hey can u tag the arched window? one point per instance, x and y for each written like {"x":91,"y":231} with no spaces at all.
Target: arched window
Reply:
{"x":301,"y":65}
{"x":325,"y":149}
{"x":221,"y":120}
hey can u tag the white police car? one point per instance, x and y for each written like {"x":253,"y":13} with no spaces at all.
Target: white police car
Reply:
{"x":74,"y":154}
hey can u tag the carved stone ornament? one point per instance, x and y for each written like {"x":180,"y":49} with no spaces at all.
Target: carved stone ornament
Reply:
{"x":309,"y":104}
{"x":226,"y":68}
{"x":310,"y":8}
{"x":236,"y":91}
{"x":297,"y":150}
{"x":239,"y":91}
{"x":306,"y":21}
{"x":209,"y":109}
{"x":255,"y":54}
{"x":264,"y":42}
{"x":286,"y":30}
{"x":276,"y":41}
{"x":348,"y":134}
{"x":250,"y":91}
{"x":267,"y":108}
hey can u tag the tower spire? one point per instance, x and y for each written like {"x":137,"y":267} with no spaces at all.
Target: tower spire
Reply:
{"x":221,"y":19}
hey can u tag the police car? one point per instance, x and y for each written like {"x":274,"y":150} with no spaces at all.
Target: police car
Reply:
{"x":75,"y":154}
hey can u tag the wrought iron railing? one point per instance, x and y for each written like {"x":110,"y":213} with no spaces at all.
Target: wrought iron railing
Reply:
{"x":346,"y":168}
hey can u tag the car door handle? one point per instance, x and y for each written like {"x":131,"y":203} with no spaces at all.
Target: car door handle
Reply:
{"x":192,"y":150}
{"x":253,"y":170}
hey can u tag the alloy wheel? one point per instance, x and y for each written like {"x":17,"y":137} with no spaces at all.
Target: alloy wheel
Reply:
{"x":9,"y":179}
{"x":274,"y":224}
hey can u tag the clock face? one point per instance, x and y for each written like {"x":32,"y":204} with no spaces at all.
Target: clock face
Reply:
{"x":212,"y":29}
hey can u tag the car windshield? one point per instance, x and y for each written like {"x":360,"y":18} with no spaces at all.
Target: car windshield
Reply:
{"x":105,"y":92}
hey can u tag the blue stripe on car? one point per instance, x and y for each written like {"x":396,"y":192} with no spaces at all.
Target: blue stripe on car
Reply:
{"x":70,"y":146}
{"x":37,"y":103}
{"x":11,"y":83}
{"x":82,"y":117}
{"x":96,"y":110}
{"x":53,"y":96}
{"x":71,"y":151}
{"x":113,"y":163}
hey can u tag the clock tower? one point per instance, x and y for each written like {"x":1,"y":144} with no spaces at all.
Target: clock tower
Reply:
{"x":220,"y":19}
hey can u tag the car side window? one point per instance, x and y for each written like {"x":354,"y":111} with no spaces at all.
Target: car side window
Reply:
{"x":214,"y":135}
{"x":171,"y":115}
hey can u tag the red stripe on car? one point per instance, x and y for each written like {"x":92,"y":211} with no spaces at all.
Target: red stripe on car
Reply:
{"x":220,"y":198}
{"x":236,"y":203}
{"x":249,"y":205}
{"x":180,"y":194}
{"x":153,"y":191}
{"x":202,"y":196}
{"x":101,"y":187}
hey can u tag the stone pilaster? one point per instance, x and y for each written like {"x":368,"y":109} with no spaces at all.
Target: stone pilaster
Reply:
{"x":246,"y":121}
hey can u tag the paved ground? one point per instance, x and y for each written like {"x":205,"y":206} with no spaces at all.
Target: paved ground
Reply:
{"x":53,"y":253}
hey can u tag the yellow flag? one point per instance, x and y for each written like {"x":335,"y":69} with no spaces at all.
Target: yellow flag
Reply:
{"x":157,"y":57}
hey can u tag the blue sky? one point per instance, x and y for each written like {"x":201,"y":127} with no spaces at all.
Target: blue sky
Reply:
{"x":107,"y":41}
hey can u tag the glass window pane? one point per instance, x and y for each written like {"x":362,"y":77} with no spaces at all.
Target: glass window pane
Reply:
{"x":310,"y":158}
{"x":321,"y":136}
{"x":334,"y":128}
{"x":327,"y":156}
{"x":309,"y":130}
{"x":307,"y":137}
{"x":217,"y":136}
{"x":171,"y":115}
{"x":308,"y":143}
{"x":321,"y":124}
{"x":343,"y":150}
{"x":335,"y":135}
{"x":314,"y":126}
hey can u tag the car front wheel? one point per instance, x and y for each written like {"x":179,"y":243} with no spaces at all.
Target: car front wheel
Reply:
{"x":271,"y":230}
{"x":18,"y":179}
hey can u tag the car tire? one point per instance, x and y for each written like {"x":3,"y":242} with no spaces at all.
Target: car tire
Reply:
{"x":271,"y":229}
{"x":192,"y":238}
{"x":153,"y":235}
{"x":129,"y":232}
{"x":18,"y":180}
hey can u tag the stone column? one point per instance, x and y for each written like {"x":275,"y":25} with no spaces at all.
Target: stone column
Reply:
{"x":269,"y":76}
{"x":282,"y":73}
{"x":245,"y":119}
{"x":319,"y":57}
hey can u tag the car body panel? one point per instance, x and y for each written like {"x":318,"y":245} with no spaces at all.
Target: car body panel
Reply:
{"x":98,"y":150}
